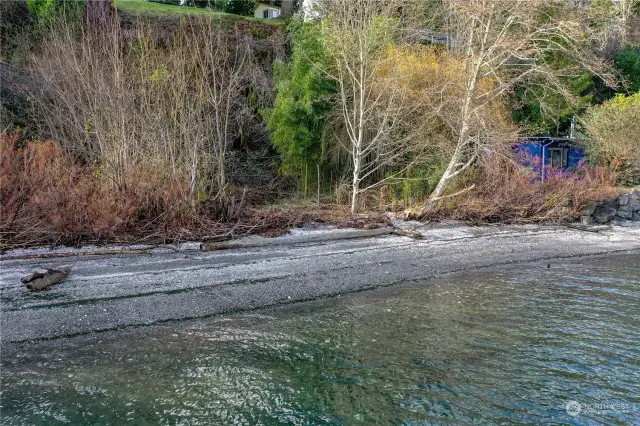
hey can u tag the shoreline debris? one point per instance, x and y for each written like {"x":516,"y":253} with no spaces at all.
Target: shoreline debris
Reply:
{"x":43,"y":278}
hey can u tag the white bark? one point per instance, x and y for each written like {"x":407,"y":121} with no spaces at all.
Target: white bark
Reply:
{"x":503,"y":43}
{"x":357,"y":35}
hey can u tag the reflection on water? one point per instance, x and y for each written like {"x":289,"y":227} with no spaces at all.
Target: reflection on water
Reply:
{"x":505,"y":346}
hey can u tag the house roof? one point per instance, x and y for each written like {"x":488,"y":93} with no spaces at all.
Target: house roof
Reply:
{"x":553,"y":139}
{"x":269,"y":6}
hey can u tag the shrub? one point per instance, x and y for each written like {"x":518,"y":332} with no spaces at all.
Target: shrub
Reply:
{"x":505,"y":192}
{"x":614,"y":136}
{"x":47,"y":11}
{"x":46,"y":198}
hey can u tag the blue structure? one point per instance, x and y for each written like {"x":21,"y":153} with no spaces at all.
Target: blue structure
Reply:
{"x":545,"y":153}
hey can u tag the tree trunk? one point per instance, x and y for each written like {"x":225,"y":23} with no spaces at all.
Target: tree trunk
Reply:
{"x":355,"y":188}
{"x":449,"y":173}
{"x":221,"y":173}
{"x":194,"y":177}
{"x":456,"y":158}
{"x":357,"y":165}
{"x":286,"y":8}
{"x":463,"y":139}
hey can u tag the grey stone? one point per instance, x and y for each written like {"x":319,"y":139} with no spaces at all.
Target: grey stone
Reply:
{"x":586,"y":220}
{"x":589,"y":208}
{"x":635,"y":217}
{"x":624,"y":214}
{"x":626,"y":208}
{"x":604,"y":213}
{"x":623,"y":200}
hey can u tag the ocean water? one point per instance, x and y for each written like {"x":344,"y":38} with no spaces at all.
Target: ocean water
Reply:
{"x":544,"y":342}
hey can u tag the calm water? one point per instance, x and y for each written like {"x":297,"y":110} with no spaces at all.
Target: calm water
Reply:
{"x":510,"y":346}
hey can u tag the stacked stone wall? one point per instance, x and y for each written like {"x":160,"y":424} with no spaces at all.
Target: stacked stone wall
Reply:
{"x":625,"y":207}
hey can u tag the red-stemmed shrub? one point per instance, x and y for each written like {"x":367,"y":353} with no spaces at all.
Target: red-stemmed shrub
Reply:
{"x":45,"y":197}
{"x":507,"y":192}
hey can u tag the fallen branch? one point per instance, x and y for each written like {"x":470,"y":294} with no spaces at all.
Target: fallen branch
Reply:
{"x":456,"y":194}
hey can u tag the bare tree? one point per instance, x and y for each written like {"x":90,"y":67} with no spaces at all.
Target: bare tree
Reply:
{"x":504,"y":43}
{"x":374,"y":108}
{"x":626,"y":10}
{"x":130,"y":103}
{"x":223,"y":67}
{"x":615,"y":22}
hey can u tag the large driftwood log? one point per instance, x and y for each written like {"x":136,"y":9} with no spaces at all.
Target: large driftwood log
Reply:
{"x":77,"y":254}
{"x":38,"y":281}
{"x":343,"y":234}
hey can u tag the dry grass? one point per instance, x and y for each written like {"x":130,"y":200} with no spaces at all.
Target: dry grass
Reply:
{"x":505,"y":192}
{"x":47,"y":198}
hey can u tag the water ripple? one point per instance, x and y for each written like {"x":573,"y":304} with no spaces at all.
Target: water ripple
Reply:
{"x":507,"y":346}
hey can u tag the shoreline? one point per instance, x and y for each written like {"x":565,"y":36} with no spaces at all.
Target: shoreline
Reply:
{"x":113,"y":291}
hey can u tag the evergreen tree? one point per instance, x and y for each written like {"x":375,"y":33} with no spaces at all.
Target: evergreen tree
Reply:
{"x":297,"y":120}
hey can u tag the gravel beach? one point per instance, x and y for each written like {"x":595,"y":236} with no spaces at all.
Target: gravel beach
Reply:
{"x":111,"y":291}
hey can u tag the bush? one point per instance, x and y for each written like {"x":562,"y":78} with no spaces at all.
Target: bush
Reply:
{"x":505,"y":192}
{"x":614,"y":135}
{"x":46,"y":198}
{"x":240,"y":7}
{"x":45,"y":12}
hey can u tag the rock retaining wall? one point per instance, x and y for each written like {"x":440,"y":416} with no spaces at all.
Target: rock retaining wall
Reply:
{"x":617,"y":210}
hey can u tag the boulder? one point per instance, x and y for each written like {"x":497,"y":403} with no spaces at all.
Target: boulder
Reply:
{"x":586,"y":220}
{"x":635,"y":217}
{"x":604,"y":213}
{"x":589,"y":208}
{"x":623,"y":200}
{"x":624,"y":214}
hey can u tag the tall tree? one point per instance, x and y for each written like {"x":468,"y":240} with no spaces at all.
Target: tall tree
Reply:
{"x":509,"y":42}
{"x":297,"y":120}
{"x":357,"y":35}
{"x":626,"y":10}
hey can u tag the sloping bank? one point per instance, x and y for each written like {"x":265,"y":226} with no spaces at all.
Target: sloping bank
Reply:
{"x":141,"y":287}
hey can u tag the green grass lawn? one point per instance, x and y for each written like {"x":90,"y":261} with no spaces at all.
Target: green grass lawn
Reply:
{"x":142,"y":7}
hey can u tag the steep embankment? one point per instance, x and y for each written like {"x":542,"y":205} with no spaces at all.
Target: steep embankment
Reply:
{"x":150,"y":126}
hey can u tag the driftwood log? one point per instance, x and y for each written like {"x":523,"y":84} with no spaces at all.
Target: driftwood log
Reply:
{"x":38,"y":281}
{"x":343,"y":234}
